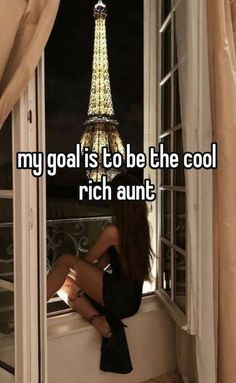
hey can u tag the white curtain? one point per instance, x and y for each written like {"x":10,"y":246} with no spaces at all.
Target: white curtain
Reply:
{"x":25,"y":26}
{"x":192,"y":48}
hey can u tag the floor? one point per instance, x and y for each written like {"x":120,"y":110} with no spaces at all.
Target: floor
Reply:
{"x":173,"y":377}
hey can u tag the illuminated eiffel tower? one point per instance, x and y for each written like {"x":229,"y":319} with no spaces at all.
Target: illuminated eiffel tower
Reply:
{"x":101,"y":127}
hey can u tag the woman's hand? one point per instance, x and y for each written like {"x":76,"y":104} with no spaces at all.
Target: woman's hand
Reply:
{"x":73,"y":290}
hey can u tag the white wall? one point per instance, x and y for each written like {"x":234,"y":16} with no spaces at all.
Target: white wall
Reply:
{"x":186,"y":356}
{"x":74,"y":347}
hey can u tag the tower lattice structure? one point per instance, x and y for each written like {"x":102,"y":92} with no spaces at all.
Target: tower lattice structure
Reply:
{"x":101,"y":127}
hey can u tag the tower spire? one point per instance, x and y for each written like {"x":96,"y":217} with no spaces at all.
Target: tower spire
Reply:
{"x":100,"y":127}
{"x":100,"y":102}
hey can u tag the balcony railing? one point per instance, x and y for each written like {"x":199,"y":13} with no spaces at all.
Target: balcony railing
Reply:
{"x":68,"y":235}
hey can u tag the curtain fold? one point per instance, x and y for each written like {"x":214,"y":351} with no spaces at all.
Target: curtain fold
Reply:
{"x":24,"y":30}
{"x":192,"y":49}
{"x":188,"y":83}
{"x":222,"y":43}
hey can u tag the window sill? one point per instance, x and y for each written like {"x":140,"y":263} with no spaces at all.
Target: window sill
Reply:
{"x":174,"y":311}
{"x":151,"y":338}
{"x":70,"y":323}
{"x":5,"y":376}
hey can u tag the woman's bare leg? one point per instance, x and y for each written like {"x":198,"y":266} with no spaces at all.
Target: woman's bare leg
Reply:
{"x":85,"y":308}
{"x":80,"y":304}
{"x":90,"y":278}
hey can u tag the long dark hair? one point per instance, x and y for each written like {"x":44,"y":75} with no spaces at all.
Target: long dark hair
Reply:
{"x":131,"y":219}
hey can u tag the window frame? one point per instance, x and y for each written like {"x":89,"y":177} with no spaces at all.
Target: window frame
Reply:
{"x":27,"y":336}
{"x":149,"y":129}
{"x":8,"y":195}
{"x":150,"y":113}
{"x":25,"y":241}
{"x":169,"y":301}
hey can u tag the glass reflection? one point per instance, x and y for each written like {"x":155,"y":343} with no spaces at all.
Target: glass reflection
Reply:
{"x":166,"y":106}
{"x":166,"y":50}
{"x":177,"y":116}
{"x":175,"y":45}
{"x":166,"y":173}
{"x":179,"y":178}
{"x":180,"y":280}
{"x":166,"y":268}
{"x":179,"y":221}
{"x":166,"y":8}
{"x":166,"y":214}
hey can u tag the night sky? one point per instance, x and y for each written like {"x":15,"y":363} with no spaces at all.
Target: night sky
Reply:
{"x":69,"y":55}
{"x":68,"y":68}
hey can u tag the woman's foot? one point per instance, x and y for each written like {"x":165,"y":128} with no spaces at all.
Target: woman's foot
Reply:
{"x":101,"y":325}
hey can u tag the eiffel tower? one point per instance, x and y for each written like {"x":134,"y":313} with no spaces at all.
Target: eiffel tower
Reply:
{"x":100,"y":126}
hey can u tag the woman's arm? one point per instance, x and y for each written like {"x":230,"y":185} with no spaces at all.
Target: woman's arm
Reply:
{"x":107,"y":238}
{"x":103,"y":262}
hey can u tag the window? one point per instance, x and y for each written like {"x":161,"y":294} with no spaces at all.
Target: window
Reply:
{"x":20,"y":243}
{"x":172,"y":191}
{"x":6,"y":252}
{"x":73,"y":225}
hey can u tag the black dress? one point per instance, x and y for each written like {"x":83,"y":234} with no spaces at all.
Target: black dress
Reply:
{"x":122,"y":299}
{"x":122,"y":296}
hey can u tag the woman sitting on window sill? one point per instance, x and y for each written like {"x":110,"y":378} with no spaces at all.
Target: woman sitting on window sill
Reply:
{"x":103,"y":298}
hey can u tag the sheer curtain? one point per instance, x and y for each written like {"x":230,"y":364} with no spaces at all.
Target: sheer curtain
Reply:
{"x":192,"y":48}
{"x":222,"y":42}
{"x":25,"y":26}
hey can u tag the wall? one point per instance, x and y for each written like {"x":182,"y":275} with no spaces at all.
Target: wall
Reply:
{"x":186,"y":356}
{"x":73,"y":347}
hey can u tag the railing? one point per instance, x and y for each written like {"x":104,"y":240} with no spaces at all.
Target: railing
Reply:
{"x":68,"y":235}
{"x":74,"y":236}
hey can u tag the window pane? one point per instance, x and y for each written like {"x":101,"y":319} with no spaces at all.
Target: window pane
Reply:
{"x":6,"y":156}
{"x":175,"y":46}
{"x":179,"y":179}
{"x":166,"y":50}
{"x":180,"y":280}
{"x":166,"y":8}
{"x":166,"y":173}
{"x":6,"y":286}
{"x":166,"y":214}
{"x":173,"y":197}
{"x":177,"y":116}
{"x":6,"y":329}
{"x":179,"y":219}
{"x":166,"y":106}
{"x":6,"y":212}
{"x":166,"y":268}
{"x":6,"y":240}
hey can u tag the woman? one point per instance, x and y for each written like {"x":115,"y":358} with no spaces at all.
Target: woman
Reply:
{"x":100,"y":297}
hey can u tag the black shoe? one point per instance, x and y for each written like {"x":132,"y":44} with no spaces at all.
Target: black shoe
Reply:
{"x":115,"y":355}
